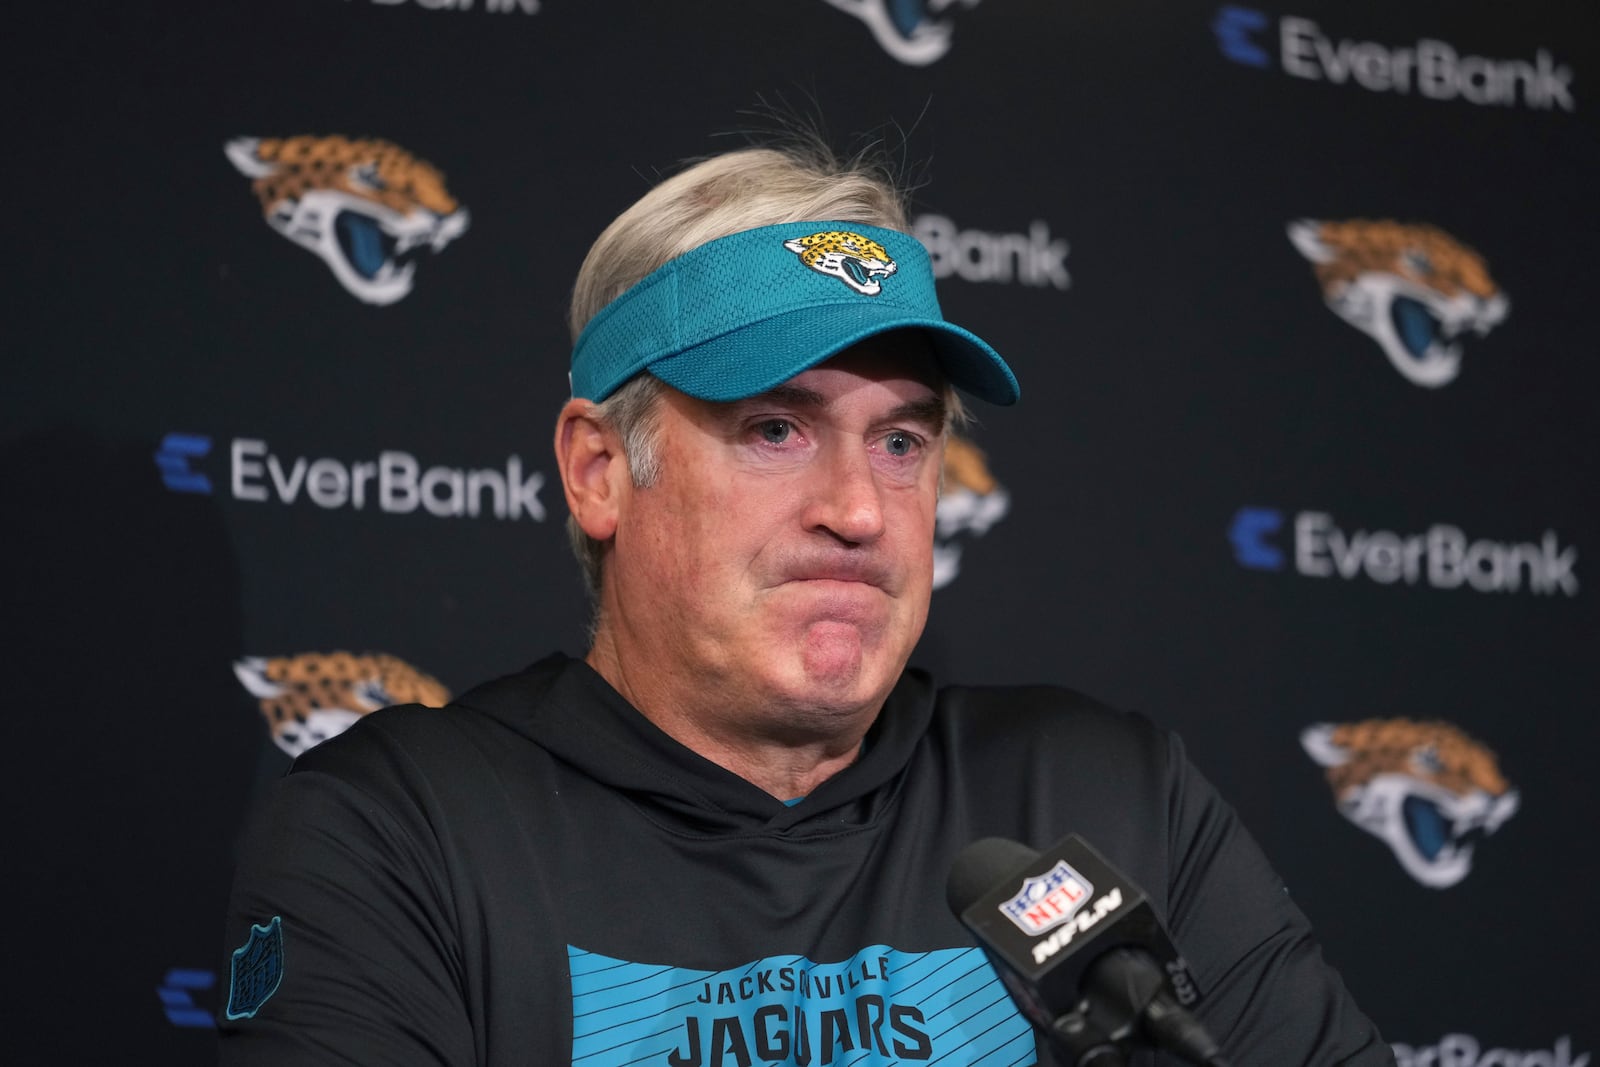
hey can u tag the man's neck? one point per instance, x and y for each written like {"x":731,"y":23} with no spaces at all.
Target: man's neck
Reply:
{"x":784,"y":762}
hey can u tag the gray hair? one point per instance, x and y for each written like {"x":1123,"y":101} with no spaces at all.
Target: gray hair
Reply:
{"x":741,"y":190}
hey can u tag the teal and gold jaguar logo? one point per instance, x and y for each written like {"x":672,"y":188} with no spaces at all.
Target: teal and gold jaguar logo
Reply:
{"x":1426,"y":789}
{"x":1412,"y":288}
{"x":859,"y":262}
{"x":364,"y":206}
{"x":916,"y":32}
{"x":310,"y":697}
{"x":970,"y":501}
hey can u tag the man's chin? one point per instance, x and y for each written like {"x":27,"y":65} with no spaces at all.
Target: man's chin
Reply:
{"x":835,"y":673}
{"x":834,"y":661}
{"x":832,"y":653}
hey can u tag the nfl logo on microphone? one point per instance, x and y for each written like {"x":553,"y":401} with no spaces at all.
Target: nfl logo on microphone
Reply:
{"x":1048,"y":900}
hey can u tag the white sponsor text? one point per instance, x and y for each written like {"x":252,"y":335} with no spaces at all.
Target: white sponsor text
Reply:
{"x":1443,"y":557}
{"x":1464,"y":1050}
{"x":1435,"y":69}
{"x":1081,"y":923}
{"x":395,"y":482}
{"x":1033,"y":258}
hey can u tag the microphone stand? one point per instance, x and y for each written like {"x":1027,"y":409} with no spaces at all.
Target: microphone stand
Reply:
{"x":1077,"y":1042}
{"x":1126,"y":1002}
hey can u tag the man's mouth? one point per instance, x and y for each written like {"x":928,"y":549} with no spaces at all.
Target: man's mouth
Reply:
{"x":864,"y":573}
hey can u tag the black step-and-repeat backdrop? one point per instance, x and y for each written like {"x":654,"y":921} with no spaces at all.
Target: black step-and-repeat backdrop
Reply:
{"x":1302,"y":296}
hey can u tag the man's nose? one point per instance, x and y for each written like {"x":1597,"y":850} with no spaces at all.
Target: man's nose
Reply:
{"x":845,"y":497}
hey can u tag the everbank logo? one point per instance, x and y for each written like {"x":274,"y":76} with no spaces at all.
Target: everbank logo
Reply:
{"x":395,"y":482}
{"x":1464,"y":1050}
{"x":1433,"y":68}
{"x":1441,"y":557}
{"x":1033,"y":259}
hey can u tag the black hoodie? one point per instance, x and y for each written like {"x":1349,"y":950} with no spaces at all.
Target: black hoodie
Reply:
{"x":537,"y":875}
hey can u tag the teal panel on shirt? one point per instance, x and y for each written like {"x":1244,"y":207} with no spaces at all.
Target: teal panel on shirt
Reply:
{"x":879,"y":1007}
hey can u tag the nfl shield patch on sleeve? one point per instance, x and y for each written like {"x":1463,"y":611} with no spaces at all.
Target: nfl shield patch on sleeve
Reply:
{"x":257,"y":970}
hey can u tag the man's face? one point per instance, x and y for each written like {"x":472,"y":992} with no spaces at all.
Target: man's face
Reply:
{"x":781,"y":565}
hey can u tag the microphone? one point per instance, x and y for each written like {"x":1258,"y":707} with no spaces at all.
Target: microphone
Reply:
{"x":1081,"y":951}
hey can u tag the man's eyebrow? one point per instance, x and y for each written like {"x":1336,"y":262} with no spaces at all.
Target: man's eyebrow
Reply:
{"x":792,"y":396}
{"x":929,"y":410}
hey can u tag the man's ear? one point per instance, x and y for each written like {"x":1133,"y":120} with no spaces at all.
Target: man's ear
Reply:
{"x":594,"y":470}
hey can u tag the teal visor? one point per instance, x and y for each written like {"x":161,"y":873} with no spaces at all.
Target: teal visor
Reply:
{"x":743,"y":313}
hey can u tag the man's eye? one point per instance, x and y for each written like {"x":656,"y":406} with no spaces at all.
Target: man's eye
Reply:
{"x":775,"y":431}
{"x":899,"y":443}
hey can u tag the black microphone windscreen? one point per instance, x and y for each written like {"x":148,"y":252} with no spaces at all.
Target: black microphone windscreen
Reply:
{"x":1076,"y":940}
{"x":980,"y":867}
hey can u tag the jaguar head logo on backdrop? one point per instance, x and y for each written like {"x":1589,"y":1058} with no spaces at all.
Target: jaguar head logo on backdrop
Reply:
{"x":970,"y":502}
{"x":310,"y":697}
{"x":365,"y":207}
{"x":1425,"y":789}
{"x":1413,"y":289}
{"x":912,"y":31}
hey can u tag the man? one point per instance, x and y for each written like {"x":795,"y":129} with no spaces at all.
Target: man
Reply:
{"x":723,"y":837}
